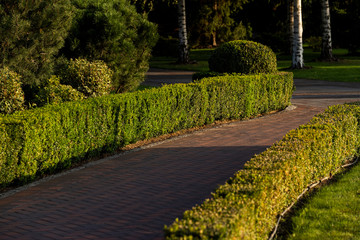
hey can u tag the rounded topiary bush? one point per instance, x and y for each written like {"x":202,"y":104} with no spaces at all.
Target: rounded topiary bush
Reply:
{"x":244,"y":57}
{"x":92,"y":78}
{"x":11,"y":94}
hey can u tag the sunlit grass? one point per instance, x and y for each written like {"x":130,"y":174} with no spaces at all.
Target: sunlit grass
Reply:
{"x":341,"y":71}
{"x":346,"y":69}
{"x":333,"y":211}
{"x":198,"y":57}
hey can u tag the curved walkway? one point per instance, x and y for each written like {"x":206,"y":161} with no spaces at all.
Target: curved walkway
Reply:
{"x":133,"y":195}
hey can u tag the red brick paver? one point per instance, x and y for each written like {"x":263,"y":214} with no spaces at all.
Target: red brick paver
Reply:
{"x":133,"y":195}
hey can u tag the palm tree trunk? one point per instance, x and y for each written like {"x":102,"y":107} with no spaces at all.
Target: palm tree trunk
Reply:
{"x":183,"y":43}
{"x":326,"y":48}
{"x":297,"y":54}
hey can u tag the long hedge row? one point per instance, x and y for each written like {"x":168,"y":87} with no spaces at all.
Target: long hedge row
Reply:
{"x":247,"y":206}
{"x":42,"y":140}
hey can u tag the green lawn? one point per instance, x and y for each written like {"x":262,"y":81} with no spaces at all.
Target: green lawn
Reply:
{"x":199,"y":56}
{"x":347,"y":69}
{"x":333,"y":212}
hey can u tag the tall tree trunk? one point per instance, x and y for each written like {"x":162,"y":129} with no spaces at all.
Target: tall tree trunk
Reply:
{"x":290,"y":9}
{"x":215,"y":7}
{"x":297,"y":54}
{"x":326,"y":48}
{"x":183,"y":42}
{"x":214,"y":44}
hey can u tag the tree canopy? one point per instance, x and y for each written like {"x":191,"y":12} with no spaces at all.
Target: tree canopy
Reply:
{"x":32,"y":33}
{"x":114,"y":32}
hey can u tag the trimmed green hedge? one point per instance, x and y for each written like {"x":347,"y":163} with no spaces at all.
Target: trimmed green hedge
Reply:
{"x":247,"y":206}
{"x":42,"y":140}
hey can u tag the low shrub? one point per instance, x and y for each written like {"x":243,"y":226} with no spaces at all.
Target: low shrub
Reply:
{"x":53,"y":92}
{"x":244,"y":57}
{"x":247,"y":206}
{"x":42,"y":140}
{"x":11,"y":94}
{"x":91,"y":78}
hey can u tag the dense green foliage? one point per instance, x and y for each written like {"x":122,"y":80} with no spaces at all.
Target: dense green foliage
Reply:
{"x":244,"y":57}
{"x":90,"y":78}
{"x":11,"y":94}
{"x":52,"y":91}
{"x":346,"y":24}
{"x":32,"y":33}
{"x":114,"y":32}
{"x":41,"y":140}
{"x":213,"y":22}
{"x":247,"y":206}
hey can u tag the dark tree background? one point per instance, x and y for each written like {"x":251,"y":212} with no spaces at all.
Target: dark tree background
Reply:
{"x":263,"y":21}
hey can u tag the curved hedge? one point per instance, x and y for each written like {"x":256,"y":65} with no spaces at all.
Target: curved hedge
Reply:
{"x":241,"y":56}
{"x":42,"y":140}
{"x":247,"y":206}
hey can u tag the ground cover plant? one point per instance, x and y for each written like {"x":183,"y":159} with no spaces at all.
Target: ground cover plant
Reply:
{"x":247,"y":206}
{"x":346,"y":69}
{"x":43,"y":140}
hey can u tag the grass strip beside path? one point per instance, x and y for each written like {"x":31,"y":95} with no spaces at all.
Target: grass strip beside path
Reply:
{"x":332,"y":212}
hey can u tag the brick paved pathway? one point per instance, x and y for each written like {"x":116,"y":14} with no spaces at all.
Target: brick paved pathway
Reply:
{"x":133,"y":195}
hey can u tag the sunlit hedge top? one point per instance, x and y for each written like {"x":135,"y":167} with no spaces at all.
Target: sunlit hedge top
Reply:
{"x":242,"y":56}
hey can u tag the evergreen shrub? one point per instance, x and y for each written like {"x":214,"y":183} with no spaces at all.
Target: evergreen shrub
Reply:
{"x":244,"y":57}
{"x":53,"y":92}
{"x":42,"y":140}
{"x":90,"y":78}
{"x":112,"y":31}
{"x":11,"y":93}
{"x":32,"y":34}
{"x":248,"y":204}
